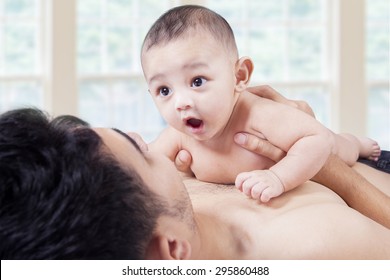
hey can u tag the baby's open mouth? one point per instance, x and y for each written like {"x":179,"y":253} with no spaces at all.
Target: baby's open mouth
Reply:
{"x":194,"y":123}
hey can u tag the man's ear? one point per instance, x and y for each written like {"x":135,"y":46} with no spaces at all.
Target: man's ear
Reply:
{"x":168,"y":248}
{"x":244,"y":69}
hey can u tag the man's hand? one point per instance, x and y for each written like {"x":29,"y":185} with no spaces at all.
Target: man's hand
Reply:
{"x":183,"y":162}
{"x":259,"y":146}
{"x":262,"y":146}
{"x":269,"y":93}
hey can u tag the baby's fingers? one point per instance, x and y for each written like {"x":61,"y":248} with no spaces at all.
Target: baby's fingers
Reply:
{"x":252,"y":187}
{"x":241,"y":178}
{"x":266,"y":195}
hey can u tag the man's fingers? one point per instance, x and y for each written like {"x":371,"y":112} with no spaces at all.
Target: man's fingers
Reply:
{"x":268,"y":92}
{"x":304,"y":107}
{"x":259,"y":146}
{"x":265,"y":91}
{"x":183,"y":161}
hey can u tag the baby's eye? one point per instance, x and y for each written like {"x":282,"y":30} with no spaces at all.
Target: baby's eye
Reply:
{"x":164,"y":91}
{"x":197,"y":82}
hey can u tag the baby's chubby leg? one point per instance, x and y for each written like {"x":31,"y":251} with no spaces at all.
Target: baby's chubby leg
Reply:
{"x":349,"y":148}
{"x":260,"y":184}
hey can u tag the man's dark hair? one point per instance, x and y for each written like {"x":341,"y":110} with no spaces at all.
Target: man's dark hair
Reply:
{"x":64,"y":196}
{"x":177,"y":21}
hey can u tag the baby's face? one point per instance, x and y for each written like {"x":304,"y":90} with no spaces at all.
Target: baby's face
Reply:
{"x":192,"y":81}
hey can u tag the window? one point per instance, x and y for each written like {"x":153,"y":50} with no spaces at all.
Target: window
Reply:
{"x":20,"y":54}
{"x":287,"y":40}
{"x":112,"y":90}
{"x":292,"y":44}
{"x":378,"y":70}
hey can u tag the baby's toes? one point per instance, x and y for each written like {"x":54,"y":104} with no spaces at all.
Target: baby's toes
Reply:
{"x":376,"y":152}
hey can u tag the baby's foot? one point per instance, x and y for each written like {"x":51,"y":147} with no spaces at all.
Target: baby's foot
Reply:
{"x":369,"y":149}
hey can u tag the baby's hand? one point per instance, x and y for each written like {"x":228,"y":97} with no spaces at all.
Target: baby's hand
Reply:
{"x":260,"y":184}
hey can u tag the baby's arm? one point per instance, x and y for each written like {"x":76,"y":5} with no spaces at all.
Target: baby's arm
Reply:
{"x":303,"y":160}
{"x":307,"y":143}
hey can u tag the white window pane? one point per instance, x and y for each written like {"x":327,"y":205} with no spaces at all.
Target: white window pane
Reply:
{"x":20,"y":8}
{"x":378,"y":39}
{"x":377,"y":52}
{"x":20,"y":94}
{"x":282,"y":50}
{"x":379,"y":116}
{"x":89,"y":50}
{"x":316,"y":97}
{"x":94,"y":103}
{"x":267,"y":10}
{"x":88,"y":9}
{"x":305,"y":53}
{"x":377,"y":10}
{"x":267,"y":49}
{"x":20,"y":49}
{"x":110,"y":34}
{"x":230,"y":10}
{"x":20,"y":54}
{"x":109,"y":43}
{"x":19,"y":35}
{"x":378,"y":70}
{"x":119,"y":49}
{"x":119,"y":9}
{"x":150,"y":10}
{"x":122,"y":104}
{"x":144,"y":14}
{"x":305,"y":9}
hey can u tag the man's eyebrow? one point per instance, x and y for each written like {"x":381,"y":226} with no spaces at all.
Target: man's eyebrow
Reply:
{"x":131,"y":140}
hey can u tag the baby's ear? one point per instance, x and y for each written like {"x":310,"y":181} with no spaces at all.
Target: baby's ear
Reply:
{"x":244,"y":69}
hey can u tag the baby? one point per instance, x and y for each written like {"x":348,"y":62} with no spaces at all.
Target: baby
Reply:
{"x":198,"y":83}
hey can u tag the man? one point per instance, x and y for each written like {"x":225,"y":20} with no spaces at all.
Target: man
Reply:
{"x":310,"y":222}
{"x":71,"y":192}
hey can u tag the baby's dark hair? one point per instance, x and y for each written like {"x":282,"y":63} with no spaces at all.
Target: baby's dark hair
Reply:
{"x":63,"y":195}
{"x":177,"y":21}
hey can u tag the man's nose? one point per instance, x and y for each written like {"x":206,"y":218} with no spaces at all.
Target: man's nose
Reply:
{"x":184,"y":101}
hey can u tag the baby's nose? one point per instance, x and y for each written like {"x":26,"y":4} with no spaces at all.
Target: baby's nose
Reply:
{"x":183,"y":102}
